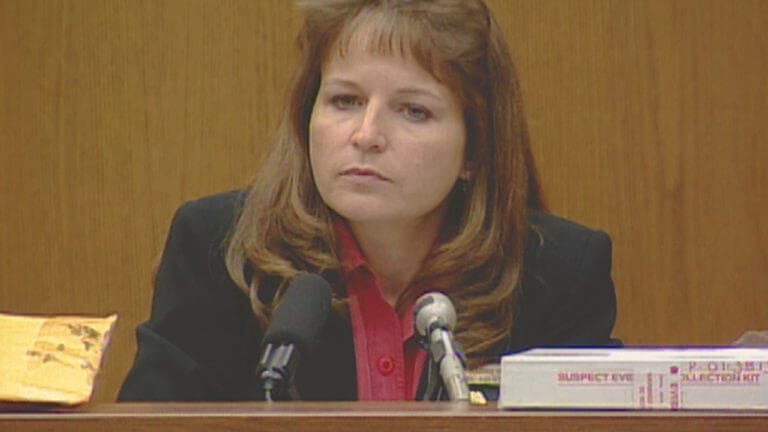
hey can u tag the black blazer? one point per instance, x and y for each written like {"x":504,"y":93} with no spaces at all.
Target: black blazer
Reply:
{"x":202,"y":343}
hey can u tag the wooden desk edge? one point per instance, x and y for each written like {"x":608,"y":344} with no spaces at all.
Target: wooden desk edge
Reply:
{"x":369,"y":417}
{"x":349,"y":409}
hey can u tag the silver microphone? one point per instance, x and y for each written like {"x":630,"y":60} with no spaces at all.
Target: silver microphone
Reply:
{"x":434,"y":319}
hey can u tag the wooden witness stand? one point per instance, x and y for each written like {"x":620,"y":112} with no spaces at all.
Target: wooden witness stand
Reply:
{"x":365,"y":416}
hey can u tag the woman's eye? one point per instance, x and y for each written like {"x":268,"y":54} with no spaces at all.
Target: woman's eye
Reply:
{"x":345,"y":101}
{"x":416,"y":113}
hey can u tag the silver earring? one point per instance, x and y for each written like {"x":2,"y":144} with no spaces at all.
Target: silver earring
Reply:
{"x":463,"y":186}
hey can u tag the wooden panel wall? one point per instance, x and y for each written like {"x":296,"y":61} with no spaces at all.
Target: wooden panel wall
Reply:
{"x":647,"y":117}
{"x":649,"y":120}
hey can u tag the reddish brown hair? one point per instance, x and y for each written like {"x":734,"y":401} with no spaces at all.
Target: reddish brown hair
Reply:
{"x":285,"y":227}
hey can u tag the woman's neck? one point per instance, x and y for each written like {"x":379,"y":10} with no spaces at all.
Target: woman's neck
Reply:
{"x":395,"y":251}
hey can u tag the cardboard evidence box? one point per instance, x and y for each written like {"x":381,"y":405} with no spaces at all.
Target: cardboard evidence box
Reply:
{"x":636,"y":378}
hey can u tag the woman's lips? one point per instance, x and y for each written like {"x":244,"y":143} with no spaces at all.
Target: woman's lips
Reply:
{"x":363,"y":173}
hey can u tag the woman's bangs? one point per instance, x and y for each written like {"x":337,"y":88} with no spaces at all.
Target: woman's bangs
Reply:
{"x":382,"y":32}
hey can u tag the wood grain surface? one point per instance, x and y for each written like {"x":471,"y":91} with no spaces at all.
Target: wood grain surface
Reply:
{"x":648,"y":121}
{"x":368,"y":416}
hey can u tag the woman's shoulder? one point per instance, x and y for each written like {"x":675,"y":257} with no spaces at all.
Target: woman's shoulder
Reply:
{"x":211,"y":217}
{"x":561,"y":231}
{"x":221,"y":206}
{"x":555,"y":242}
{"x":563,"y":258}
{"x":568,"y":297}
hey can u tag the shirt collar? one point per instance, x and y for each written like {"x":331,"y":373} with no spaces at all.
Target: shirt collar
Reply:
{"x":353,"y":259}
{"x":349,"y":251}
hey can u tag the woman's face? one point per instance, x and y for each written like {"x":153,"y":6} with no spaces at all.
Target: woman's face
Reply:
{"x":386,"y":140}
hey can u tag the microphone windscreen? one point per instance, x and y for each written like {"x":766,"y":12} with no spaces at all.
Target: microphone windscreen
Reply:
{"x":433,"y":309}
{"x":301,"y":314}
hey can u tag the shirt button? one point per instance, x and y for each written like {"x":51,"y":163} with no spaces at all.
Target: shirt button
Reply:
{"x":386,"y":365}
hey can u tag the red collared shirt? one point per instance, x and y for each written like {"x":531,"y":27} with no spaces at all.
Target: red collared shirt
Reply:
{"x":387,"y":354}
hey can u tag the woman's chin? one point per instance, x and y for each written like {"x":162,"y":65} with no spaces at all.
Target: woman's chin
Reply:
{"x":370,"y":209}
{"x":363,"y":215}
{"x":360,"y":207}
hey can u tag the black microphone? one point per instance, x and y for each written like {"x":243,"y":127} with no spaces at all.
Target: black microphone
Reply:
{"x":293,"y":332}
{"x":434,"y":319}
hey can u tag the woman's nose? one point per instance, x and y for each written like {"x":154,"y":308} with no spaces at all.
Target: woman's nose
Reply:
{"x":369,"y":134}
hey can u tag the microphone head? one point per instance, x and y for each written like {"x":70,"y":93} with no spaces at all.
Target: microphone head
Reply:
{"x":433,"y":310}
{"x":301,"y":314}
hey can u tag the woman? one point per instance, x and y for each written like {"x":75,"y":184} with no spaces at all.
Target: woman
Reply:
{"x":402,"y":166}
